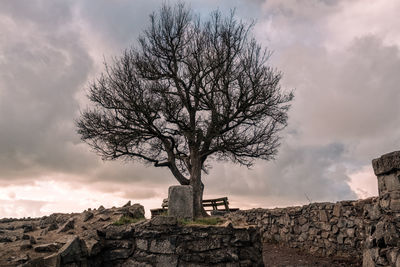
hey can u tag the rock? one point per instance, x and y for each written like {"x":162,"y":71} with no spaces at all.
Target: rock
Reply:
{"x":323,"y":217}
{"x":115,"y":232}
{"x":368,"y":260}
{"x":337,"y":210}
{"x":22,"y":259}
{"x":302,"y":220}
{"x":26,"y":244}
{"x":141,"y":244}
{"x":93,"y":247}
{"x":27,"y":228}
{"x":87,"y":216}
{"x":101,"y":208}
{"x":127,"y":204}
{"x":180,"y":201}
{"x":135,"y":211}
{"x":52,"y":247}
{"x":350,"y":232}
{"x":167,"y":260}
{"x":386,"y":163}
{"x":340,"y":238}
{"x":162,"y":246}
{"x":392,"y":255}
{"x":104,"y":218}
{"x":133,"y":263}
{"x":69,"y":225}
{"x":164,"y":220}
{"x":32,"y":240}
{"x":52,"y":227}
{"x":74,"y":251}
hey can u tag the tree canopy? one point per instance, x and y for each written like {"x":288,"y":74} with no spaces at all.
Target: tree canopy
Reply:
{"x":190,"y":90}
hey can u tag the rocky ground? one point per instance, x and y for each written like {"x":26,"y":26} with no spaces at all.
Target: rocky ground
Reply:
{"x":24,"y":240}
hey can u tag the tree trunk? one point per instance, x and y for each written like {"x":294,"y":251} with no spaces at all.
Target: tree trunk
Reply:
{"x":198,"y":188}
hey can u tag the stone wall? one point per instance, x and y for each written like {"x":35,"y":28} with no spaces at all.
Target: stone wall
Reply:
{"x":160,"y":242}
{"x":326,"y":229}
{"x":367,"y":230}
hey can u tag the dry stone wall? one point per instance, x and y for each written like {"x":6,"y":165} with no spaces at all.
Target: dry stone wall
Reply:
{"x":162,"y":242}
{"x":326,"y":229}
{"x":366,"y":230}
{"x":159,"y":242}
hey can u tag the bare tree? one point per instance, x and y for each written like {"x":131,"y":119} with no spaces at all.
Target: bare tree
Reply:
{"x":191,"y":90}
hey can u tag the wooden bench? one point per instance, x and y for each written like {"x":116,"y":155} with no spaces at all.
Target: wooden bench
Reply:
{"x":208,"y":204}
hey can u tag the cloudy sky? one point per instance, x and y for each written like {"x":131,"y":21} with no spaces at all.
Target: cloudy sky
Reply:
{"x":341,"y":57}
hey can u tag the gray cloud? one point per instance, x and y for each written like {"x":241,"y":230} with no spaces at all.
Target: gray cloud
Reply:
{"x":43,"y":64}
{"x":345,"y":112}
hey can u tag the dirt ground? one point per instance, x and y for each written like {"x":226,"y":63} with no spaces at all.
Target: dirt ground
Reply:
{"x":275,"y":255}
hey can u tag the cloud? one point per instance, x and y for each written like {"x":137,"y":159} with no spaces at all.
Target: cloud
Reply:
{"x":341,"y":57}
{"x":42,"y":66}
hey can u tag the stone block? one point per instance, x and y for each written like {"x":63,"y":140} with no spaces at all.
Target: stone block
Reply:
{"x":389,"y":182}
{"x":162,"y":246}
{"x":386,"y":163}
{"x":164,"y":220}
{"x":337,"y":210}
{"x":180,"y":201}
{"x":395,"y":205}
{"x":323,"y":217}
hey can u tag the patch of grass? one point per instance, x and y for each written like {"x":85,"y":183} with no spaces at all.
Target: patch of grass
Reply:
{"x":202,"y":221}
{"x":127,"y":220}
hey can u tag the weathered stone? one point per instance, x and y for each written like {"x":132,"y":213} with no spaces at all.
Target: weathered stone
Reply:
{"x":337,"y":210}
{"x":134,"y":263}
{"x":27,"y":228}
{"x":204,"y":245}
{"x":26,"y":244}
{"x":391,"y":256}
{"x":70,"y":224}
{"x":142,"y":244}
{"x":164,"y":220}
{"x":350,"y":232}
{"x":340,"y":238}
{"x":101,"y":208}
{"x":127,"y":204}
{"x":52,"y":247}
{"x":22,"y":259}
{"x":135,"y":211}
{"x":162,"y":246}
{"x":116,"y":232}
{"x":103,"y":218}
{"x":87,"y":216}
{"x":395,"y":205}
{"x":167,"y":260}
{"x":52,"y":227}
{"x":180,"y":201}
{"x":386,"y":163}
{"x":374,"y":212}
{"x":302,"y":220}
{"x":368,"y":259}
{"x":93,"y":247}
{"x":73,"y":251}
{"x":323,"y":217}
